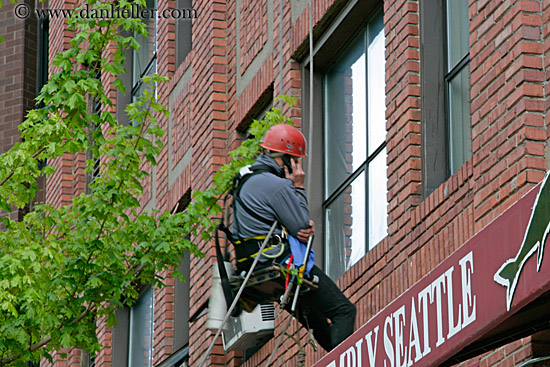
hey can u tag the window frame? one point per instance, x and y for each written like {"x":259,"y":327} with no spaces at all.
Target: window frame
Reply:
{"x":43,"y":45}
{"x":258,"y":113}
{"x":151,"y":66}
{"x":351,"y":20}
{"x":182,"y":299}
{"x":94,"y":106}
{"x":122,"y":332}
{"x":184,"y":33}
{"x":435,"y":111}
{"x":133,"y":86}
{"x":148,"y":288}
{"x":449,"y":76}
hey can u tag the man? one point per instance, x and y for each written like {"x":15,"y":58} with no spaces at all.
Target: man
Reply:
{"x":277,"y":193}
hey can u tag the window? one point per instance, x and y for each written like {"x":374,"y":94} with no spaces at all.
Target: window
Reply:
{"x":42,"y":54}
{"x":120,"y":338}
{"x":457,"y":82}
{"x":445,"y":78}
{"x":355,"y":175}
{"x":145,"y":58}
{"x":87,"y":359}
{"x":138,"y":63}
{"x":180,"y":356}
{"x":140,"y":341}
{"x":258,"y":113}
{"x":94,"y":106}
{"x":346,"y":167}
{"x":181,"y":310}
{"x":184,"y":31}
{"x":41,"y":79}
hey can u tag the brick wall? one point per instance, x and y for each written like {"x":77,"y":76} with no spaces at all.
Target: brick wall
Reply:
{"x":507,"y":77}
{"x":18,"y":88}
{"x":253,"y":32}
{"x":210,"y":94}
{"x":69,"y":178}
{"x":15,"y":76}
{"x":18,"y":57}
{"x":18,"y":73}
{"x":515,"y":353}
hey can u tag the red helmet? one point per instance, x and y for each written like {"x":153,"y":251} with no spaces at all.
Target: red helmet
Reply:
{"x":285,"y":139}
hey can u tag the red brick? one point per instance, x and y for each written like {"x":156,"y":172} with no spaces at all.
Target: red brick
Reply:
{"x":510,"y":113}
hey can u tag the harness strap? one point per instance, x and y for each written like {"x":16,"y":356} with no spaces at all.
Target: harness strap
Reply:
{"x":247,"y":249}
{"x":238,"y":242}
{"x":227,"y":291}
{"x":238,"y":183}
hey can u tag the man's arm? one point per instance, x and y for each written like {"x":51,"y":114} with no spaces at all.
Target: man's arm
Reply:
{"x":291,"y":205}
{"x":304,"y":234}
{"x":298,"y":178}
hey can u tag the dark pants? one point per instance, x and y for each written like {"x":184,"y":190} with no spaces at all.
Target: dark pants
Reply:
{"x":316,"y":307}
{"x":328,"y":302}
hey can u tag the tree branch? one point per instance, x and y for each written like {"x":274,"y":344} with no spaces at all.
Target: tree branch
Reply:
{"x":36,"y":154}
{"x":34,"y":347}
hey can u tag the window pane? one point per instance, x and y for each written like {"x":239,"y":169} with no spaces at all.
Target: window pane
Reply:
{"x":345,"y":115}
{"x":181,"y":304}
{"x":142,"y":87}
{"x":459,"y":119}
{"x":457,"y":31}
{"x":345,"y":228}
{"x":141,"y":331}
{"x":183,"y":32}
{"x":376,"y":84}
{"x":378,"y":203}
{"x":148,"y":44}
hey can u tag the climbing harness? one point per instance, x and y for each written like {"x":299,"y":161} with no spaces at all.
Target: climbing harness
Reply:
{"x":263,"y":276}
{"x":238,"y":295}
{"x":241,"y":251}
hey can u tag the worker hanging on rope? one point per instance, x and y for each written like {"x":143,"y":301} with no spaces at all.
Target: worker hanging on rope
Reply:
{"x":275,"y":191}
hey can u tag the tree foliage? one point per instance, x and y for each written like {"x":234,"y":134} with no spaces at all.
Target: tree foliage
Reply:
{"x":63,"y":268}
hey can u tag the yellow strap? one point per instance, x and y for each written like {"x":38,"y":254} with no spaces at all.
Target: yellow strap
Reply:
{"x":254,"y":254}
{"x":251,"y":238}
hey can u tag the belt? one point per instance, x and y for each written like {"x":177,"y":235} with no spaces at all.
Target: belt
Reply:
{"x":246,"y":249}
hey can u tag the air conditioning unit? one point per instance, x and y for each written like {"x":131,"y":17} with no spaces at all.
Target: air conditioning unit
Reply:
{"x":250,"y":329}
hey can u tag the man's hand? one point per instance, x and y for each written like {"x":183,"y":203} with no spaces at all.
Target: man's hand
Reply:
{"x":304,"y":234}
{"x":298,"y":175}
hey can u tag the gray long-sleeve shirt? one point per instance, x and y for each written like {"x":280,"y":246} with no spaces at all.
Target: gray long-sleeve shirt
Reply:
{"x":271,"y":197}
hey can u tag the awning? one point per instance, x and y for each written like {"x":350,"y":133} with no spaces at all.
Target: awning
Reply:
{"x":491,"y":290}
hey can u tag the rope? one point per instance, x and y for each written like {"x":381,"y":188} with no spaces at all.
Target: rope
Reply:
{"x":281,"y":9}
{"x":278,"y":343}
{"x":238,"y":295}
{"x":294,"y":313}
{"x":301,"y":355}
{"x":310,"y":132}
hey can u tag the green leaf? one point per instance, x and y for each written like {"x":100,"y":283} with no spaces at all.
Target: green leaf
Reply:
{"x":58,"y":260}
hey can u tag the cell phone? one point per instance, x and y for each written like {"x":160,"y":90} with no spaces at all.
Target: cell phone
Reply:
{"x":286,"y":162}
